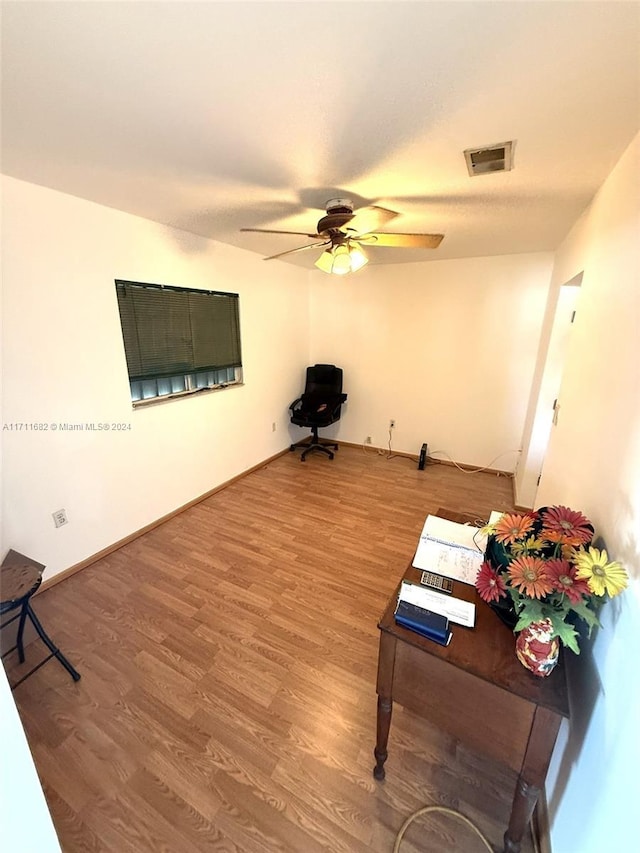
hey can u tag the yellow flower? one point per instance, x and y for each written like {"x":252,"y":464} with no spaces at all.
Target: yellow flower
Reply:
{"x":528,"y":545}
{"x":601,"y":575}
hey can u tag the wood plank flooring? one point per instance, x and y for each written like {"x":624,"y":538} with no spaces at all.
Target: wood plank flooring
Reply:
{"x":228,"y":661}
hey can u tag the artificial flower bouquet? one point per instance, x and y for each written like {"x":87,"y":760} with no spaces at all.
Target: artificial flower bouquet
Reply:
{"x":545,"y":563}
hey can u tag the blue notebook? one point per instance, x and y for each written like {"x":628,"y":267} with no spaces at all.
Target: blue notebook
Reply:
{"x":424,"y":622}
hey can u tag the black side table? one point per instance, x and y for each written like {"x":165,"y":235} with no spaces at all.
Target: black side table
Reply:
{"x":20,"y":577}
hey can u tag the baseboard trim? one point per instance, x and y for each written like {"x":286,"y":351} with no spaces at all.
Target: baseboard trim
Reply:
{"x":78,"y":567}
{"x":497,"y":471}
{"x":384,"y":451}
{"x":377,"y":451}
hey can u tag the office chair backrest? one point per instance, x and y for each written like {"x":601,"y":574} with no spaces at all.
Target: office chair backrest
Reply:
{"x":323,"y":379}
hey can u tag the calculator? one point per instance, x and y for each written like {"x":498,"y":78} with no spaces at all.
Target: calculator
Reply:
{"x":436,"y":582}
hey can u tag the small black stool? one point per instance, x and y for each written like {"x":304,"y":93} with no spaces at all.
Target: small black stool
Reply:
{"x":20,"y":577}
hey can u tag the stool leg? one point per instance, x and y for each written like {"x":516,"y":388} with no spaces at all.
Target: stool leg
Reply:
{"x":55,"y":651}
{"x":21,"y":623}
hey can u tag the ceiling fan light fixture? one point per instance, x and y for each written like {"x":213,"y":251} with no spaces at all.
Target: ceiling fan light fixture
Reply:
{"x":342,"y":259}
{"x":358,"y":258}
{"x":325,"y":261}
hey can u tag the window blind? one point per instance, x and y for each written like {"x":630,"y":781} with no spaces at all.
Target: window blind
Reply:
{"x":171,"y":330}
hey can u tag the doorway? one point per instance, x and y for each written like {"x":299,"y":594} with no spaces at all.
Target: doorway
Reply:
{"x":546,"y":410}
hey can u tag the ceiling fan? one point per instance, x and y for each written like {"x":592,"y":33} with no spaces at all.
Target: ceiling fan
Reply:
{"x":344,"y":232}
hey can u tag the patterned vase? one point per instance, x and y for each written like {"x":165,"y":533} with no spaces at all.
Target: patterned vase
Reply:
{"x":537,"y":649}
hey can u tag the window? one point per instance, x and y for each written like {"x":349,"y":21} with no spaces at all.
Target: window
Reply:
{"x":177,"y":340}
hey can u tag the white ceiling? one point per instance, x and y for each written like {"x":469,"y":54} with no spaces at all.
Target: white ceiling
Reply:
{"x":211,"y":116}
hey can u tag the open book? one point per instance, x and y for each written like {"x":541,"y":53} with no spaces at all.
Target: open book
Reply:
{"x":450,"y":549}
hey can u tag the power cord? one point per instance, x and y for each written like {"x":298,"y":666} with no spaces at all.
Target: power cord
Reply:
{"x":472,"y":470}
{"x":379,"y":451}
{"x":390,"y":455}
{"x":442,"y":810}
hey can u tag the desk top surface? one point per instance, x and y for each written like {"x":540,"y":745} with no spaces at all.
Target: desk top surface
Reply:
{"x":486,"y":651}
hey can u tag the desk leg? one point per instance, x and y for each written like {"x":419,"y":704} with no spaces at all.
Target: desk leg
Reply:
{"x":542,"y":738}
{"x":385,"y":707}
{"x":524,"y":802}
{"x":386,"y":664}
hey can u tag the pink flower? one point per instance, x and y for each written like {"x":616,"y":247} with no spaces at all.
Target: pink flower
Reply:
{"x":564,"y":577}
{"x":564,"y":525}
{"x":489,"y":583}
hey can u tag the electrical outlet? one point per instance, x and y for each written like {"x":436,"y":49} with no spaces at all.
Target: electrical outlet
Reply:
{"x":392,"y":423}
{"x":60,"y":517}
{"x":367,"y":440}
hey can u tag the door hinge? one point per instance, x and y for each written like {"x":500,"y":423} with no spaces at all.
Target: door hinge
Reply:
{"x":573,"y":316}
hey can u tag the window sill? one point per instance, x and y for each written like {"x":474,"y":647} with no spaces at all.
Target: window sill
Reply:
{"x":180,"y":395}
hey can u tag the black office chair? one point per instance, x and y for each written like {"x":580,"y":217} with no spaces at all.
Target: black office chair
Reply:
{"x":319,"y":406}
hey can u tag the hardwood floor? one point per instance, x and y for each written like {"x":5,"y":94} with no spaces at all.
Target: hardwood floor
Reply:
{"x":228,"y":661}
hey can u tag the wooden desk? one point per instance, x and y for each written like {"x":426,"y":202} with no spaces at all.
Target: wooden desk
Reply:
{"x":476,"y":690}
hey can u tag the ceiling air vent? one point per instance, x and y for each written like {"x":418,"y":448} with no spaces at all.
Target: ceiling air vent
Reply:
{"x":491,"y":158}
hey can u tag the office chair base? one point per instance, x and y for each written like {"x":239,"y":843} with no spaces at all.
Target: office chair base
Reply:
{"x":314,"y":443}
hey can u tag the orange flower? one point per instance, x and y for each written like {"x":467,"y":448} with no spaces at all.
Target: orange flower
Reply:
{"x":511,"y":527}
{"x":529,"y":574}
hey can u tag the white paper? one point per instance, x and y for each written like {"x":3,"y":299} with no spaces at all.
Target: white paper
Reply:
{"x":452,"y":533}
{"x":453,"y":550}
{"x":455,"y":609}
{"x":456,"y":563}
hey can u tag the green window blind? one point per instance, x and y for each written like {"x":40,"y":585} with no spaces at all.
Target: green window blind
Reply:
{"x":172,"y":330}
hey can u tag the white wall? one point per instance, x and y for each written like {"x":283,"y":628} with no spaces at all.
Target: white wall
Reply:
{"x":593,"y":464}
{"x":24,"y":815}
{"x":446,"y":348}
{"x":63,"y":361}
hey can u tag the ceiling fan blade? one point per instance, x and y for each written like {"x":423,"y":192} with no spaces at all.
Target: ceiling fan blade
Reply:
{"x":299,"y":249}
{"x":401,"y":241}
{"x":367,"y":219}
{"x":269,"y":231}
